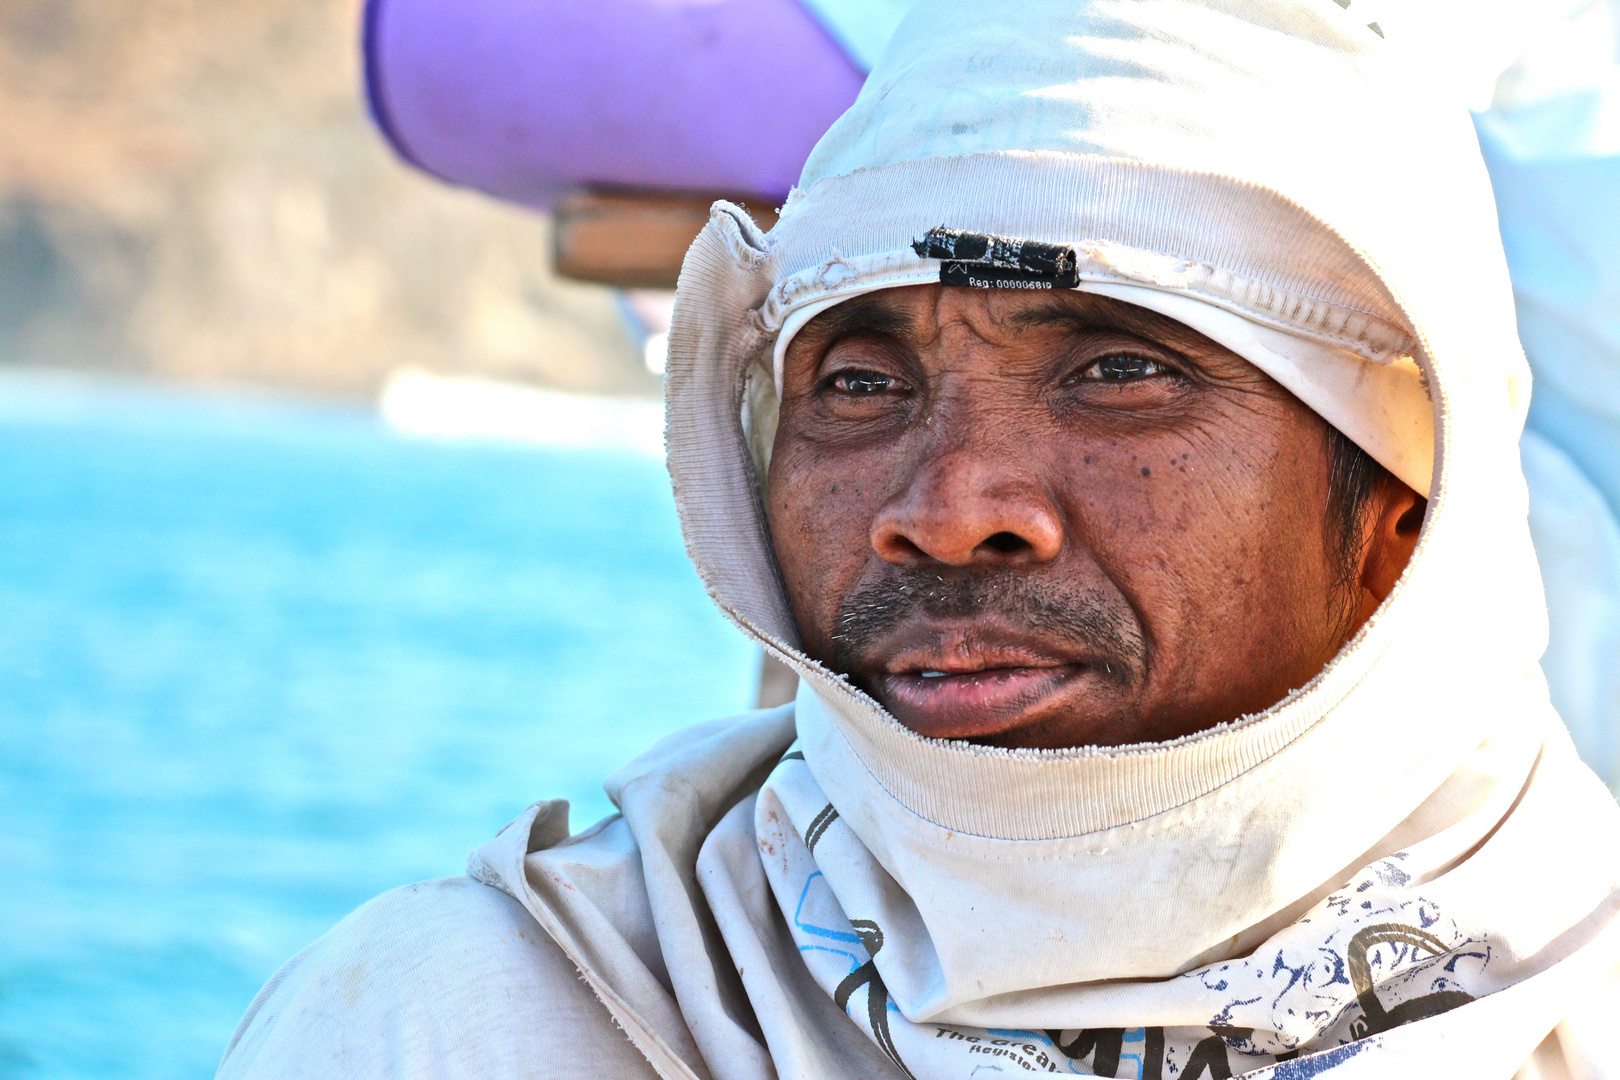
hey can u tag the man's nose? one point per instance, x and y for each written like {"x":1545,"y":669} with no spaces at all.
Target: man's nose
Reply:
{"x":966,"y":507}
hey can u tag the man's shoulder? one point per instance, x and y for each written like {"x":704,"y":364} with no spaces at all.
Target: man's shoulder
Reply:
{"x":442,"y":978}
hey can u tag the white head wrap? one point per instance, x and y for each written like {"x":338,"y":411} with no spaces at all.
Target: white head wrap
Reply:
{"x":1241,"y":166}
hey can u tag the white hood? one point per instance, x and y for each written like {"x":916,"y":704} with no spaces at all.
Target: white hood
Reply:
{"x":1242,"y":155}
{"x":1270,"y":168}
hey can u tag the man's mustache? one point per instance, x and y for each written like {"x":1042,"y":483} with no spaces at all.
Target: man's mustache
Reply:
{"x":1091,"y":622}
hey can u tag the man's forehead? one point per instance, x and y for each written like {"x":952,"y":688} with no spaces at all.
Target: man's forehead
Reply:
{"x":918,"y":313}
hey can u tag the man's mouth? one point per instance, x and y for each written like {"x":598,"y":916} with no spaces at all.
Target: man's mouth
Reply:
{"x":965,"y":697}
{"x":1001,"y":658}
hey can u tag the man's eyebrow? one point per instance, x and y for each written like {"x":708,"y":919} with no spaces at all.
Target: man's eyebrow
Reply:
{"x":1049,"y":313}
{"x":871,"y":314}
{"x":1137,"y":323}
{"x":1058,"y":312}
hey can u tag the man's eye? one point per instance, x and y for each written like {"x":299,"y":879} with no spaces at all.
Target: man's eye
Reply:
{"x":1122,"y":368}
{"x":862,"y":382}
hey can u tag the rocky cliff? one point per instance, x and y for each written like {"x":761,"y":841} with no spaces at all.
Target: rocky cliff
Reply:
{"x":191,"y":188}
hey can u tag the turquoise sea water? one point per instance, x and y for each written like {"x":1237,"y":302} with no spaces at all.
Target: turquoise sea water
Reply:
{"x":261,"y":660}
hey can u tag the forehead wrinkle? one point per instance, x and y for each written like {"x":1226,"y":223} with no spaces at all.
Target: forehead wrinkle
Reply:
{"x":919,"y":321}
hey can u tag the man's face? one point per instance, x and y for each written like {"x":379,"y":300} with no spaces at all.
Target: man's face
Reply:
{"x":1050,"y":519}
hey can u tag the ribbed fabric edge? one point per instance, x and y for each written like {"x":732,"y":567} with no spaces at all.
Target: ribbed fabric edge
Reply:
{"x":1129,"y":221}
{"x":1034,"y":795}
{"x":727,"y":271}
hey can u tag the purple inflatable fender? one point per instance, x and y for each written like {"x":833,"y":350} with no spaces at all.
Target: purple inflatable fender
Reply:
{"x":527,"y":99}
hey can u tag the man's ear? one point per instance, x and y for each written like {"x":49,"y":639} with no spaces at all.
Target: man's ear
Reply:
{"x":1397,"y":518}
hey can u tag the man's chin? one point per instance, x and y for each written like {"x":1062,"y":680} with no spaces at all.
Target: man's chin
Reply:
{"x":1003,"y":706}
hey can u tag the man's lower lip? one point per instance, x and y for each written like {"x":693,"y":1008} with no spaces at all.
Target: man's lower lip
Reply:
{"x":956,"y":706}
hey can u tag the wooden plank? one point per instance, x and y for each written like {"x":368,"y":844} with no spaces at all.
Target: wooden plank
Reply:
{"x":634,"y":239}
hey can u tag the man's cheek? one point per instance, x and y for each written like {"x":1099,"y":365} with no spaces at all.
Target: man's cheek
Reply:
{"x":821,"y":546}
